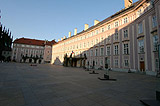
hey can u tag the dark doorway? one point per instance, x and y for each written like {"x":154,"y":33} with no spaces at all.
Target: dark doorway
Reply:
{"x":30,"y":60}
{"x":93,"y":63}
{"x":106,"y":63}
{"x":142,"y":66}
{"x":39,"y":62}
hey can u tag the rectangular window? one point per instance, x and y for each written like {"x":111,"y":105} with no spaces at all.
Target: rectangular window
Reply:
{"x":116,"y":49}
{"x":102,"y":29}
{"x":91,"y":52}
{"x":155,"y":42}
{"x":125,"y":20}
{"x":84,"y":45}
{"x":102,"y":51}
{"x":108,"y":51}
{"x":116,"y":24}
{"x":139,"y":12}
{"x":96,"y":52}
{"x":116,"y":63}
{"x":102,"y":40}
{"x":126,"y":63}
{"x":96,"y":41}
{"x":126,"y":33}
{"x":109,"y":27}
{"x":92,"y":42}
{"x":97,"y":31}
{"x":141,"y":46}
{"x":154,"y":21}
{"x":156,"y":64}
{"x":126,"y":51}
{"x":88,"y":44}
{"x":140,"y":28}
{"x":101,"y":63}
{"x":116,"y":36}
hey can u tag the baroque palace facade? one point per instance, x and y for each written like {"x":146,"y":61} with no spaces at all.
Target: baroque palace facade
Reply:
{"x":128,"y":39}
{"x":32,"y":50}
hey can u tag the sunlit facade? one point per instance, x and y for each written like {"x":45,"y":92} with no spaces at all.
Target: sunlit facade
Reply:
{"x":127,"y":40}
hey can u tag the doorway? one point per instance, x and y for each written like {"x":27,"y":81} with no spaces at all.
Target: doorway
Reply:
{"x":142,"y":66}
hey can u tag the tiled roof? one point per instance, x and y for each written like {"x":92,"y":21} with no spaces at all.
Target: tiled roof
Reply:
{"x":33,"y":42}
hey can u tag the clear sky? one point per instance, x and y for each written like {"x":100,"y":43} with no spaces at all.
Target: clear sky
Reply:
{"x":52,"y":19}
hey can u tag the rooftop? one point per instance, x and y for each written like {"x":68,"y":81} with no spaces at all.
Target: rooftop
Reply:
{"x":34,"y":42}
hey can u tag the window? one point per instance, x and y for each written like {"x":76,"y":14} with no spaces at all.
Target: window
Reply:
{"x":154,"y":21}
{"x":96,"y":52}
{"x":126,"y":33}
{"x":125,"y":20}
{"x":116,"y":24}
{"x":92,"y":42}
{"x":140,"y":28}
{"x":109,"y":38}
{"x":88,"y":44}
{"x":84,"y":44}
{"x":91,"y":52}
{"x":116,"y":49}
{"x":97,"y":31}
{"x":108,"y":51}
{"x":141,"y":46}
{"x":102,"y":41}
{"x":126,"y":63}
{"x":155,"y":42}
{"x":96,"y":41}
{"x":102,"y":51}
{"x":116,"y":36}
{"x":101,"y":63}
{"x":116,"y":63}
{"x":156,"y":64}
{"x":126,"y":51}
{"x":108,"y":62}
{"x":139,"y":12}
{"x":109,"y":27}
{"x":102,"y":29}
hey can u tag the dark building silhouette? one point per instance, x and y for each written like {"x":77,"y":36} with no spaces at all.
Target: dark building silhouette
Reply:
{"x":5,"y":44}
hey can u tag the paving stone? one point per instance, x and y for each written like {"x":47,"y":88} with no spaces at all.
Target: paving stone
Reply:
{"x":49,"y":85}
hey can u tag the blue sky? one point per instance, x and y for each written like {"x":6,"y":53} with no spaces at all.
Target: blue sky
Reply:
{"x":52,"y":19}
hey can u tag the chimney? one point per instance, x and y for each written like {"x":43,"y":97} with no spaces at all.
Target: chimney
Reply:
{"x":69,"y":35}
{"x":61,"y":38}
{"x":128,"y":3}
{"x":86,"y":26}
{"x":75,"y":31}
{"x":96,"y":22}
{"x":64,"y":37}
{"x":58,"y":40}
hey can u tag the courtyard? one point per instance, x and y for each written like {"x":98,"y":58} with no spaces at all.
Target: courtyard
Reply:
{"x":49,"y":85}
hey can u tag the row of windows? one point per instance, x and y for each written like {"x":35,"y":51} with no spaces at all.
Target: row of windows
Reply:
{"x":116,"y":62}
{"x":31,"y":46}
{"x":140,"y":25}
{"x":116,"y":24}
{"x":116,"y":48}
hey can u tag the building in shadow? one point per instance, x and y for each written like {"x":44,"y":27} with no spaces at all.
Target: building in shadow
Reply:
{"x":32,"y":50}
{"x":128,"y":39}
{"x":5,"y":44}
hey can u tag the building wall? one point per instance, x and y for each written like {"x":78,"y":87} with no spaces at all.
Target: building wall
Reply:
{"x":21,"y":49}
{"x":140,"y":52}
{"x":47,"y":53}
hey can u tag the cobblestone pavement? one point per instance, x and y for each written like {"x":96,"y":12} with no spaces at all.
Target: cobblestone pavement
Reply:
{"x":49,"y":85}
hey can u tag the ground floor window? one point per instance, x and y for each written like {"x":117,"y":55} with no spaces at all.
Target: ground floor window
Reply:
{"x":101,"y":63}
{"x":126,"y":63}
{"x":156,"y":64}
{"x":116,"y":63}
